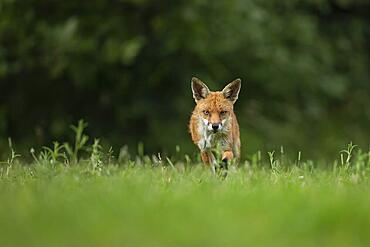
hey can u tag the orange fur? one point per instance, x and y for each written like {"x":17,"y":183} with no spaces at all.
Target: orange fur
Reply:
{"x":215,"y":109}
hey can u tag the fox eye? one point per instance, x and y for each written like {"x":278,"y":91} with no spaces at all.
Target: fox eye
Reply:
{"x":222,"y":113}
{"x":206,"y":112}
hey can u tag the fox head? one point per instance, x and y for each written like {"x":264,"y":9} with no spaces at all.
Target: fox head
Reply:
{"x":215,"y":108}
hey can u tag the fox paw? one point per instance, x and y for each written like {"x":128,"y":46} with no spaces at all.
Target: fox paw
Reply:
{"x":222,"y":168}
{"x":224,"y":164}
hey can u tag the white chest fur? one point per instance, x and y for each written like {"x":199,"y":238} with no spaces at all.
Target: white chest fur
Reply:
{"x":209,"y":139}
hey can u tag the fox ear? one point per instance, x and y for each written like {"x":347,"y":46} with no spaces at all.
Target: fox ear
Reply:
{"x":231,"y":91}
{"x":200,"y":90}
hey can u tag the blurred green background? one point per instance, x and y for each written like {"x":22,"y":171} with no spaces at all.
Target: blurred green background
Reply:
{"x":125,"y":67}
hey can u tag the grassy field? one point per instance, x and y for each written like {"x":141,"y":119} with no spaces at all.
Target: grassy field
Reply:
{"x":147,"y":201}
{"x":79,"y":195}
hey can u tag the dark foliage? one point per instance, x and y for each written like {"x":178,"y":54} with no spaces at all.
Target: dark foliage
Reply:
{"x":125,"y":67}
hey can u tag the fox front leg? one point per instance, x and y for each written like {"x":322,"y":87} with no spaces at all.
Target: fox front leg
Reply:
{"x":227,"y":156}
{"x":209,"y":159}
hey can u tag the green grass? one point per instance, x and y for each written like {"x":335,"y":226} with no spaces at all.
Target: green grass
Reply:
{"x":78,"y":195}
{"x":146,"y":203}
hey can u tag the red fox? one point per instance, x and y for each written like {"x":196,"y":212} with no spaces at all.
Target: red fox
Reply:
{"x":213,"y":122}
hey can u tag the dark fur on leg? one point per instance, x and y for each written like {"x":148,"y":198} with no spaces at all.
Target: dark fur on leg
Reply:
{"x":223,"y":168}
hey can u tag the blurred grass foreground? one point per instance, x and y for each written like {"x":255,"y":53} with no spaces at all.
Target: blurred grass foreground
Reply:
{"x":125,"y":67}
{"x":77,"y":194}
{"x":58,"y":200}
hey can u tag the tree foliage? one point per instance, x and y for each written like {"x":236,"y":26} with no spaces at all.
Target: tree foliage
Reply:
{"x":125,"y":67}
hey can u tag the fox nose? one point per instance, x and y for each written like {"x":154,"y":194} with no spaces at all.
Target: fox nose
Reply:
{"x":215,"y":127}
